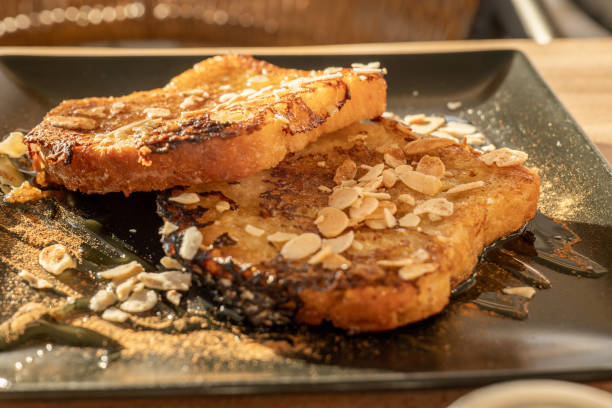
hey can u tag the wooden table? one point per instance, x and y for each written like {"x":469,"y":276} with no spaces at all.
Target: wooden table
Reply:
{"x":580,"y":74}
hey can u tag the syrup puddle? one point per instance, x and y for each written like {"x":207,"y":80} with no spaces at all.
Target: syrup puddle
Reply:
{"x":518,"y":260}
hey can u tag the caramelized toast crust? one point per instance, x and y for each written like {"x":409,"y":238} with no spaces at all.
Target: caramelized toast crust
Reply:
{"x":226,"y":118}
{"x":393,"y":271}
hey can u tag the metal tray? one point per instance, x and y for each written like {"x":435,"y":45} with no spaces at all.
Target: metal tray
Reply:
{"x":568,"y":333}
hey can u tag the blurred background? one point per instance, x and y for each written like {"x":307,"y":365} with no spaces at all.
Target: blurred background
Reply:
{"x":180,"y":23}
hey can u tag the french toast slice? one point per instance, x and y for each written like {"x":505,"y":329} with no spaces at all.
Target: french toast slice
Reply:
{"x":369,"y":227}
{"x":226,"y":118}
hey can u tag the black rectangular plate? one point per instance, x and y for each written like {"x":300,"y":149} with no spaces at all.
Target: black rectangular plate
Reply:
{"x":569,"y":330}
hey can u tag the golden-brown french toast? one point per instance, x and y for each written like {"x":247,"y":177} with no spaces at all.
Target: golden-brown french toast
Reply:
{"x":226,"y":118}
{"x":369,"y":227}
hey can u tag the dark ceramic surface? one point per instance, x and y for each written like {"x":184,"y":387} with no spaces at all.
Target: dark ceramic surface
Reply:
{"x":568,"y":333}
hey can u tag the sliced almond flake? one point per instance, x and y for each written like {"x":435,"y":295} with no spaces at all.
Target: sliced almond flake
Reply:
{"x":415,"y":271}
{"x":443,"y":135}
{"x":358,"y":202}
{"x":117,"y":107}
{"x":55,"y":259}
{"x":367,"y":207}
{"x":168,"y":228}
{"x":72,"y":122}
{"x":487,"y":148}
{"x":166,"y":280}
{"x":523,"y":291}
{"x":192,"y":239}
{"x":434,"y":217}
{"x":420,"y":255}
{"x":395,"y":263}
{"x":380,"y":196}
{"x":477,"y":139}
{"x":365,"y":167}
{"x":122,"y":271}
{"x":157,"y":112}
{"x":322,"y":163}
{"x":371,"y":185}
{"x":380,"y":211}
{"x":389,"y":218}
{"x":320,"y":256}
{"x":389,"y":178}
{"x":357,"y":245}
{"x":404,"y":168}
{"x":393,"y":161}
{"x":336,"y":261}
{"x":140,"y":301}
{"x":340,"y":243}
{"x":346,"y":171}
{"x":373,"y":173}
{"x":407,"y":198}
{"x":13,"y":145}
{"x":431,"y":165}
{"x":112,"y":314}
{"x":281,"y":236}
{"x":301,"y":246}
{"x":126,"y":287}
{"x":343,"y":197}
{"x":376,"y":224}
{"x":423,"y":183}
{"x":34,"y":281}
{"x":437,"y":206}
{"x":222,"y":206}
{"x":458,"y":129}
{"x":174,"y":297}
{"x":419,"y":118}
{"x":409,"y":221}
{"x":347,"y":183}
{"x":324,"y":189}
{"x":453,"y":105}
{"x":465,"y":187}
{"x":101,"y":300}
{"x":504,"y":157}
{"x":191,"y":102}
{"x":433,"y":123}
{"x":254,"y":231}
{"x":426,"y":144}
{"x":186,"y":198}
{"x":331,"y":222}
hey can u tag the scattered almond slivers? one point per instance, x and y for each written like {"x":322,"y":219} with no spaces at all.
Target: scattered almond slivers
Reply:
{"x":186,"y":198}
{"x":157,"y":112}
{"x":122,"y":271}
{"x":407,"y":198}
{"x":112,"y":314}
{"x":373,"y":173}
{"x":254,"y":231}
{"x":301,"y":246}
{"x":170,"y":263}
{"x":346,"y":171}
{"x":379,"y":213}
{"x":376,"y":224}
{"x":170,"y":280}
{"x":504,"y":157}
{"x":523,"y":291}
{"x":340,"y":243}
{"x":367,"y":207}
{"x":389,"y":178}
{"x":395,"y":263}
{"x":192,"y":239}
{"x":222,"y":206}
{"x":331,"y":222}
{"x":320,"y":256}
{"x":410,"y":272}
{"x":34,"y":281}
{"x":72,"y":122}
{"x":431,"y":165}
{"x":431,"y":123}
{"x":55,"y":259}
{"x":126,"y":287}
{"x":336,"y":261}
{"x":281,"y":236}
{"x":409,"y":220}
{"x":101,"y":300}
{"x":140,"y":301}
{"x":174,"y":297}
{"x":168,"y":228}
{"x":343,"y":197}
{"x":436,"y":206}
{"x":423,"y":183}
{"x":426,"y":144}
{"x":458,"y":129}
{"x":465,"y":187}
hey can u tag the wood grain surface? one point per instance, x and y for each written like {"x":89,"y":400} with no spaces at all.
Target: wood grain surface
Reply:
{"x":578,"y":71}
